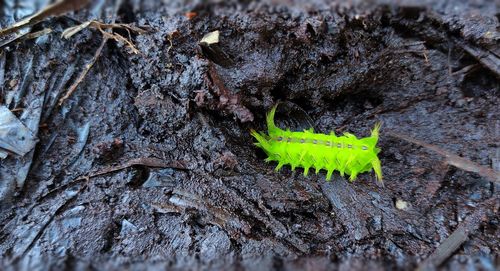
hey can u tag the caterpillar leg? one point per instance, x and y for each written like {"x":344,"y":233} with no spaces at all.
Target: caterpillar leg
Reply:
{"x":329,"y":174}
{"x":353,"y":176}
{"x":306,"y":170}
{"x":279,"y":166}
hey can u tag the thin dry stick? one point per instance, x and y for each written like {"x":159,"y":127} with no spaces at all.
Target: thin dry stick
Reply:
{"x":487,"y":58}
{"x":143,"y":161}
{"x":455,"y":160}
{"x":89,"y":65}
{"x":82,"y":75}
{"x":106,"y":36}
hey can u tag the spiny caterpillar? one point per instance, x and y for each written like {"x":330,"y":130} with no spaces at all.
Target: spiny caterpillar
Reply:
{"x":346,"y":154}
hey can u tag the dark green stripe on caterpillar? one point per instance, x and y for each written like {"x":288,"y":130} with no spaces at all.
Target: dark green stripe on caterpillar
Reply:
{"x":346,"y":154}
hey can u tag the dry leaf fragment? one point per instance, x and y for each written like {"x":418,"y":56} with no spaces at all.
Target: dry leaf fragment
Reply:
{"x":190,"y":15}
{"x":211,"y":38}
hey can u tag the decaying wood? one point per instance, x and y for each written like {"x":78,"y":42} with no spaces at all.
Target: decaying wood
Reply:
{"x":460,"y":235}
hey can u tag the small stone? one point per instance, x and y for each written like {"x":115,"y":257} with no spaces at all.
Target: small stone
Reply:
{"x":401,"y":204}
{"x":374,"y":224}
{"x":13,"y":83}
{"x":127,"y":227}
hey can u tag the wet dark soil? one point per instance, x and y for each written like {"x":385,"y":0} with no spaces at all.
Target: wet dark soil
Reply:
{"x":197,"y":194}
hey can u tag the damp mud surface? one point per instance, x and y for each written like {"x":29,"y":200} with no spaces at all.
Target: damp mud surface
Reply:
{"x":149,"y":164}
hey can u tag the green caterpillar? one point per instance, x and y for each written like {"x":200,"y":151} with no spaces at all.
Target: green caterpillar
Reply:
{"x":346,"y":154}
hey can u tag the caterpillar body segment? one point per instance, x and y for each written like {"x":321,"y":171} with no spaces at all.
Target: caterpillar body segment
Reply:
{"x":346,"y":154}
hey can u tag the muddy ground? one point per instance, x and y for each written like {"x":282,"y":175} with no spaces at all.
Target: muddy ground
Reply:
{"x":149,"y":164}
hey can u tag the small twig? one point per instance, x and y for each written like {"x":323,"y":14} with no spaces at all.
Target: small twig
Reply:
{"x":17,"y":109}
{"x":82,"y":75}
{"x":420,"y":42}
{"x":454,"y":160}
{"x":425,"y":56}
{"x":26,"y":36}
{"x":488,"y":59}
{"x":102,"y":27}
{"x":120,"y":38}
{"x":466,"y":69}
{"x":169,"y":39}
{"x":143,"y":161}
{"x":37,"y":34}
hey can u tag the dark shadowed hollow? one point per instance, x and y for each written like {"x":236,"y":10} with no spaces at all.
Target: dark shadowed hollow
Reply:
{"x":125,"y":134}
